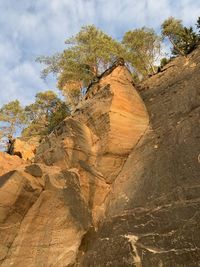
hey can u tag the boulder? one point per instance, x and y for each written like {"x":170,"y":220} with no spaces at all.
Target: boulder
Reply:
{"x":34,"y":169}
{"x":153,"y":208}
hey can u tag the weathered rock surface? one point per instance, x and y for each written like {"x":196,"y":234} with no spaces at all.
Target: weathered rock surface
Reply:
{"x":152,"y":215}
{"x":18,"y":192}
{"x":24,"y":149}
{"x":9,"y":163}
{"x":48,"y":235}
{"x":99,"y":136}
{"x":34,"y":169}
{"x":78,"y":162}
{"x":119,"y":181}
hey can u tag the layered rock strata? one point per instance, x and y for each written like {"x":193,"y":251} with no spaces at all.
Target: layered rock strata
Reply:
{"x":117,"y":183}
{"x":79,"y":161}
{"x":153,"y":209}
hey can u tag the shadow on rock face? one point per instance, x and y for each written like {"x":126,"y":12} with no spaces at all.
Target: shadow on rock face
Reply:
{"x":4,"y":178}
{"x":74,"y":200}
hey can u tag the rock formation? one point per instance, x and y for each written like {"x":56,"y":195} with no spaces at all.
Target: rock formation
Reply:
{"x":117,"y":183}
{"x":8,"y":163}
{"x":24,"y":149}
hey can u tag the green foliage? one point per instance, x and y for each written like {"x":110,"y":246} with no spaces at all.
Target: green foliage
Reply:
{"x":88,"y":54}
{"x":95,"y":48}
{"x":58,"y":116}
{"x":51,"y":63}
{"x":35,"y":128}
{"x":44,"y":104}
{"x":184,"y":40}
{"x":171,"y":28}
{"x":143,"y":48}
{"x":37,"y":119}
{"x":12,"y":116}
{"x":91,"y":51}
{"x":44,"y":114}
{"x":188,"y":40}
{"x":164,"y":61}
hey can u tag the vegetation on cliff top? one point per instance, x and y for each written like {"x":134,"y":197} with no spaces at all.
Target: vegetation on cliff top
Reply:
{"x":86,"y":56}
{"x":91,"y":51}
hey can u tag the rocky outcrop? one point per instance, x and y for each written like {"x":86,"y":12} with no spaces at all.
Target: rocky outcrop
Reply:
{"x":9,"y":163}
{"x":96,"y":141}
{"x":37,"y":227}
{"x":117,"y":183}
{"x":79,"y":161}
{"x":24,"y":149}
{"x":152,"y":214}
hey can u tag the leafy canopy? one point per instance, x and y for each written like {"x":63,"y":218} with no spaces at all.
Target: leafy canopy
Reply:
{"x":12,"y":118}
{"x":91,"y":51}
{"x":143,"y":48}
{"x":61,"y":112}
{"x":37,"y":119}
{"x":42,"y":114}
{"x":183,"y":39}
{"x":87,"y":55}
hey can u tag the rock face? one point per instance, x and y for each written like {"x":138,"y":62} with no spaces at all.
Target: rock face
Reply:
{"x":95,"y":142}
{"x":18,"y":192}
{"x":102,"y":131}
{"x":119,"y":180}
{"x":153,"y":209}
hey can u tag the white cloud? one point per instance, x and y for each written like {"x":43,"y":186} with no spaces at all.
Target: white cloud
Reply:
{"x":32,"y":28}
{"x":21,"y":82}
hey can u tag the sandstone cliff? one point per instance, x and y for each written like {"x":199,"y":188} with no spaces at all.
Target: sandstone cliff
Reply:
{"x":117,"y":183}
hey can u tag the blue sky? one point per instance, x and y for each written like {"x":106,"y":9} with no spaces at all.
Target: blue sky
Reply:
{"x":29,"y":28}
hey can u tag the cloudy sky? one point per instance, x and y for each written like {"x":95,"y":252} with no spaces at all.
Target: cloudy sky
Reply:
{"x":29,"y":28}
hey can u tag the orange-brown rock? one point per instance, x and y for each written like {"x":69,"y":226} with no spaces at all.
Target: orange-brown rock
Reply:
{"x":102,"y":131}
{"x":40,"y":227}
{"x":18,"y":192}
{"x":114,"y":185}
{"x":9,"y":163}
{"x":24,"y":149}
{"x":78,"y":161}
{"x":99,"y":136}
{"x":153,"y":209}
